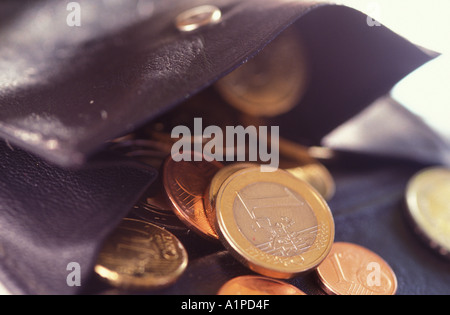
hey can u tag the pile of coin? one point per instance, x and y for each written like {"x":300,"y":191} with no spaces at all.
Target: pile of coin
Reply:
{"x":275,"y":223}
{"x":281,"y":226}
{"x":278,"y":224}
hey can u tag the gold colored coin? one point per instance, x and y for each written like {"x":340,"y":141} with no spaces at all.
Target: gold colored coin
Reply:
{"x":197,"y":17}
{"x":274,"y":223}
{"x":140,"y":256}
{"x":213,"y":189}
{"x":255,"y":285}
{"x":428,"y":205}
{"x":273,"y":82}
{"x":351,"y":269}
{"x":318,"y":177}
{"x":296,"y":159}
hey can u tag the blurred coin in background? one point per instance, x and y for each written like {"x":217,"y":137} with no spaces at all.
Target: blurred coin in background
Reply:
{"x":428,"y":207}
{"x":273,"y":82}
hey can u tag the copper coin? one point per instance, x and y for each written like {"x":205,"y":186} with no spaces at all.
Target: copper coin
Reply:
{"x":256,"y":285}
{"x":185,"y":183}
{"x":351,"y":269}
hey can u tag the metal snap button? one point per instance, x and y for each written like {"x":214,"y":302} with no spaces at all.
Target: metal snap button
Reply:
{"x":197,"y":17}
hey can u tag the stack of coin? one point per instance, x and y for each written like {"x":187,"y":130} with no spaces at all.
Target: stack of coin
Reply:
{"x":275,"y":223}
{"x":278,"y":224}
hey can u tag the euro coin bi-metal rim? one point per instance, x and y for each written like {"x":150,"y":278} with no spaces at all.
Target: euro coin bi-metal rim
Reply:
{"x":256,"y":259}
{"x":432,"y":228}
{"x":214,"y":187}
{"x":120,"y":271}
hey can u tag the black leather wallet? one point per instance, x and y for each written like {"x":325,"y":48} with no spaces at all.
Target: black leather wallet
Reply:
{"x":66,"y":91}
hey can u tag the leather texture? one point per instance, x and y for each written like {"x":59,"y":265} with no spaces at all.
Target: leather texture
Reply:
{"x":50,"y":217}
{"x":352,"y":63}
{"x":65,"y":91}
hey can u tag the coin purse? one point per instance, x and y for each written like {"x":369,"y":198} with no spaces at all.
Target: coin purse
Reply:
{"x":66,"y":90}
